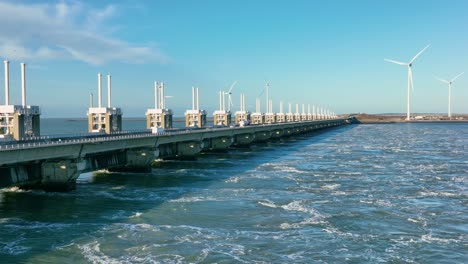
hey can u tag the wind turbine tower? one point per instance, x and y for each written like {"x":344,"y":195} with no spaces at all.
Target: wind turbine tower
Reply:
{"x":229,"y":93}
{"x":410,"y":77}
{"x":449,"y":92}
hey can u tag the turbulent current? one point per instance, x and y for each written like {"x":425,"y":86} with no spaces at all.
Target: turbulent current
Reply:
{"x":356,"y":194}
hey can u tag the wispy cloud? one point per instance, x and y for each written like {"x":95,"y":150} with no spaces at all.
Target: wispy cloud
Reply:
{"x":66,"y":30}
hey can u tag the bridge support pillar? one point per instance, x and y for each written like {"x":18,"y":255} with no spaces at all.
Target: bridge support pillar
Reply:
{"x":244,"y":139}
{"x":138,"y":160}
{"x":217,"y":144}
{"x":262,"y":136}
{"x":287,"y":132}
{"x":189,"y":149}
{"x":277,"y":133}
{"x":180,"y":150}
{"x":60,"y":175}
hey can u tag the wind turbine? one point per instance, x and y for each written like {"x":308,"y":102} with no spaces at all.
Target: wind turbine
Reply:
{"x":229,"y":95}
{"x":267,"y":88}
{"x":449,"y":91}
{"x":410,"y":78}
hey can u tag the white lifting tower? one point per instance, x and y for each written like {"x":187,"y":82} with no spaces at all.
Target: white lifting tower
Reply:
{"x":18,"y":121}
{"x":258,"y":117}
{"x":159,"y":118}
{"x":195,"y":117}
{"x":270,"y":117}
{"x":104,"y":119}
{"x":281,"y":117}
{"x":242,"y":116}
{"x":222,"y":117}
{"x":289,"y":114}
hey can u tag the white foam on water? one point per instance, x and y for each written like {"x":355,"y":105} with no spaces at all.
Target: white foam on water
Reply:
{"x":13,"y":189}
{"x":291,"y":170}
{"x":428,"y":238}
{"x":13,"y":247}
{"x":195,"y":199}
{"x":421,"y":221}
{"x":315,"y":217}
{"x":336,"y":231}
{"x":92,"y":252}
{"x":26,"y":225}
{"x":339,"y":193}
{"x":120,"y":187}
{"x":438,"y":194}
{"x":118,"y":215}
{"x":385,"y":203}
{"x":350,"y":173}
{"x":131,"y":196}
{"x":142,"y":227}
{"x":331,"y":186}
{"x":234,"y":179}
{"x":405,"y":241}
{"x":231,"y":250}
{"x":268,"y":203}
{"x":296,"y":256}
{"x":136,"y":215}
{"x":255,"y":175}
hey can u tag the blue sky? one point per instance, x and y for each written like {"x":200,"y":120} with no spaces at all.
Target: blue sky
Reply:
{"x":327,"y":53}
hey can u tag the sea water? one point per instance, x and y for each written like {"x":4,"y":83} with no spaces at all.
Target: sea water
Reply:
{"x":393,"y":193}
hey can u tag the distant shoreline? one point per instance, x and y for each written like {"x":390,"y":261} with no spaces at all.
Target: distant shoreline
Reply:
{"x":391,"y":119}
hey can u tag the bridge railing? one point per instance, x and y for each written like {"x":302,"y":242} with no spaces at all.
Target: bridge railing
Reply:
{"x":42,"y":141}
{"x":85,"y":138}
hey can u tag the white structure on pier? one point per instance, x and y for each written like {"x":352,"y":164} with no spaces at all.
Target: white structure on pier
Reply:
{"x":289,"y":114}
{"x":297,"y":115}
{"x":242,"y":116}
{"x":195,"y":117}
{"x":18,"y":121}
{"x":280,"y":117}
{"x":159,"y":118}
{"x":303,"y":113}
{"x":222,"y":117}
{"x":270,"y":116}
{"x":258,"y":117}
{"x":104,"y":119}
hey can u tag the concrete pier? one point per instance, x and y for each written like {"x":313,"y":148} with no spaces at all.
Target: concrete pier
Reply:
{"x":56,"y":163}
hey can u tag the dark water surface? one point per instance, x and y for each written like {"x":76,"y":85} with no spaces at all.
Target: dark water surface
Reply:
{"x":357,"y":194}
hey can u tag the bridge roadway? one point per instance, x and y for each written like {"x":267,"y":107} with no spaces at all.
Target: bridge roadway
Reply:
{"x":55,"y":163}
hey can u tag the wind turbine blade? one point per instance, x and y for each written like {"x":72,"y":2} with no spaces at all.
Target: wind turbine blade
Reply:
{"x":442,"y":80}
{"x":454,"y":78}
{"x":397,"y":62}
{"x":261,"y":92}
{"x":417,"y":55}
{"x":232,"y":86}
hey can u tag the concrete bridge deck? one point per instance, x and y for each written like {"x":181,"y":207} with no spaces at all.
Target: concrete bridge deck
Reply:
{"x":56,"y":162}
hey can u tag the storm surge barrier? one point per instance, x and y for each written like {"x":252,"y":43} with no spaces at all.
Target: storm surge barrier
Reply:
{"x":55,"y":163}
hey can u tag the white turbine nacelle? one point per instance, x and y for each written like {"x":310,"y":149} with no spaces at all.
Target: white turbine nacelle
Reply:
{"x":449,"y":113}
{"x":410,"y":78}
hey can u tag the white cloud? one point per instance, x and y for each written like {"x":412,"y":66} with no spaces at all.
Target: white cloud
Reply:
{"x":66,"y":30}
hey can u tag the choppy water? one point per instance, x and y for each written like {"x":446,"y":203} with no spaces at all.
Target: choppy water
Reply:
{"x":357,"y":194}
